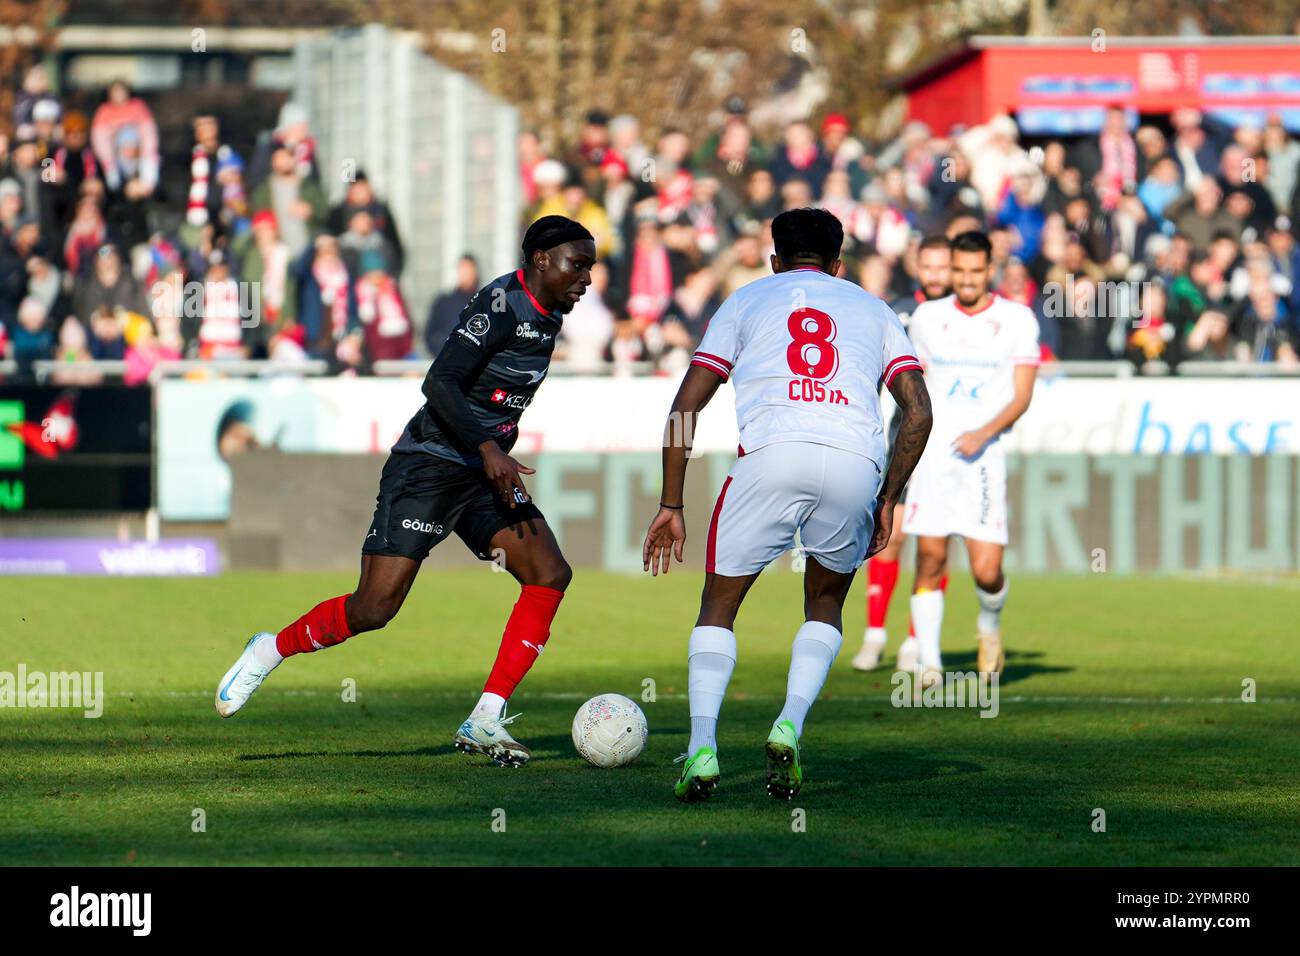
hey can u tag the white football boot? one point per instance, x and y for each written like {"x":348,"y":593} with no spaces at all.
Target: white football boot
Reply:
{"x":873,"y":645}
{"x":991,"y":657}
{"x":909,"y":655}
{"x":244,"y":677}
{"x":487,"y":734}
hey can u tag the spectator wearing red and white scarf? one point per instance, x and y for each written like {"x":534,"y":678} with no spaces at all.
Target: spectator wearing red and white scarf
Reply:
{"x":208,"y":158}
{"x":266,"y":265}
{"x":328,"y":307}
{"x":650,"y":286}
{"x":221,"y":334}
{"x":292,"y":132}
{"x":1118,"y":158}
{"x":383,"y":315}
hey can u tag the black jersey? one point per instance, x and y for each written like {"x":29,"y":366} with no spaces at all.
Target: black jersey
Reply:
{"x":485,"y":375}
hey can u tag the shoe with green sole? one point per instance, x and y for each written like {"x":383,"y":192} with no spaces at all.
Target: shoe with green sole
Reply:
{"x":784,"y":774}
{"x":699,"y":776}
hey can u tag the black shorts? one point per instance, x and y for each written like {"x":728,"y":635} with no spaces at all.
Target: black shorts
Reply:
{"x":423,"y":498}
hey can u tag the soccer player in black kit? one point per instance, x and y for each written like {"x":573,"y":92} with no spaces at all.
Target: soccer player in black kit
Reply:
{"x":451,"y":471}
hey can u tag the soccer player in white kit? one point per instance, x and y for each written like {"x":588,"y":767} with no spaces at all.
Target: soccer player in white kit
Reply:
{"x":806,"y":353}
{"x":980,"y":354}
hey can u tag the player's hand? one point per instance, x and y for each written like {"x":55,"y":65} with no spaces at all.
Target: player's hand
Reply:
{"x":884,"y":525}
{"x":969,"y":444}
{"x":667,"y":536}
{"x":504,"y":474}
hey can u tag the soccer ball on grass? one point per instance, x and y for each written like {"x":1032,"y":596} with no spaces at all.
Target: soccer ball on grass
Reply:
{"x":609,"y":730}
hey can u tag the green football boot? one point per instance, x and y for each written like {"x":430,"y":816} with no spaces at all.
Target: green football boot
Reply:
{"x":784,"y":774}
{"x":699,"y":776}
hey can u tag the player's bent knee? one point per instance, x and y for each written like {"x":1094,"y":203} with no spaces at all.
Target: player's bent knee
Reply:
{"x":930,"y":570}
{"x":556,"y":574}
{"x":371,"y":614}
{"x":988,"y":576}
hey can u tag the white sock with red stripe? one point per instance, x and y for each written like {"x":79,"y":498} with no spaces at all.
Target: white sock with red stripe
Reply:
{"x":712,"y":658}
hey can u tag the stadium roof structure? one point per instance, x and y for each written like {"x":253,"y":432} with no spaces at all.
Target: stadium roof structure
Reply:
{"x":1063,"y":85}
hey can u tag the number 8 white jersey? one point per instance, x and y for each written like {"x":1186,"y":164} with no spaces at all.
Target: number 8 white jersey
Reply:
{"x":807,"y":353}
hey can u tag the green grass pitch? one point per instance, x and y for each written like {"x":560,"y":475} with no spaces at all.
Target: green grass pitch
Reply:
{"x":1120,"y":694}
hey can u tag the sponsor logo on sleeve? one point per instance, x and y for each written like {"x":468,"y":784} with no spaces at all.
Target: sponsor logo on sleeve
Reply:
{"x":478,"y":324}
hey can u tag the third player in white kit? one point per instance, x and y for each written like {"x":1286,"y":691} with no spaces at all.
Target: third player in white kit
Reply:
{"x":980,"y":354}
{"x":806,"y":353}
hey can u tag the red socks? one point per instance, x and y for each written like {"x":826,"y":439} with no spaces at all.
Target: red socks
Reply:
{"x":882,"y":575}
{"x":526,"y":632}
{"x":323,"y":626}
{"x":525,"y":636}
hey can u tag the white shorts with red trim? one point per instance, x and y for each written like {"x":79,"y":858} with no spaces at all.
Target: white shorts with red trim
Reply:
{"x":825,"y":494}
{"x":949,"y":495}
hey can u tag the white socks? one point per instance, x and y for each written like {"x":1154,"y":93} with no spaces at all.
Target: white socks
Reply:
{"x":876,"y":636}
{"x":489,"y":705}
{"x":927,"y":622}
{"x":712,"y":658}
{"x":266,"y":653}
{"x":815,"y":647}
{"x":991,"y":603}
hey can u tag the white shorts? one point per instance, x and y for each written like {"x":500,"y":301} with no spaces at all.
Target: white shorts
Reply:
{"x":950,"y":495}
{"x":826,"y":494}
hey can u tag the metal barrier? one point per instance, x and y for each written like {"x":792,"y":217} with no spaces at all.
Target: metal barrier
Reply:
{"x":233,"y":368}
{"x":395,"y":368}
{"x":1238,"y":370}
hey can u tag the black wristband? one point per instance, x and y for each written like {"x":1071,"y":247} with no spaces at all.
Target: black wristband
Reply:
{"x":672,"y":507}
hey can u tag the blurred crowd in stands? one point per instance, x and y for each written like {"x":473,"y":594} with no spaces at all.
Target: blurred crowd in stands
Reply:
{"x":1151,"y":243}
{"x":260,"y":264}
{"x":1135,"y":244}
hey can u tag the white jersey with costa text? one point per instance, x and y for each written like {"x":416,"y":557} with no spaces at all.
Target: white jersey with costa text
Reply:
{"x":970,"y":360}
{"x":807,"y":353}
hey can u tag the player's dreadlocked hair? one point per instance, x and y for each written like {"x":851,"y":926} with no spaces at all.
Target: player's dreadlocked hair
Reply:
{"x":807,"y":233}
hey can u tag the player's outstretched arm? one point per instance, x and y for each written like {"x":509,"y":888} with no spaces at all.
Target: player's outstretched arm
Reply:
{"x":913,"y":399}
{"x":969,"y":444}
{"x":667,"y":533}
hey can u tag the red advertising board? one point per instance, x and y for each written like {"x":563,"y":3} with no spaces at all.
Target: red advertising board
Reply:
{"x":1064,"y":85}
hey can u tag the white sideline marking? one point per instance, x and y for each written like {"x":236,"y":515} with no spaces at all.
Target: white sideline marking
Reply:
{"x":842,"y":698}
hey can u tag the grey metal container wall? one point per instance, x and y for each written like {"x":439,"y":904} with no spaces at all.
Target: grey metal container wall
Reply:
{"x":435,"y":145}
